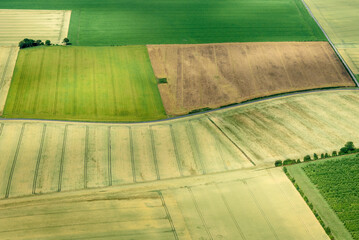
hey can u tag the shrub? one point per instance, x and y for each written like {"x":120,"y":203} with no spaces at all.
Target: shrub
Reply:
{"x":315,"y":156}
{"x":334,"y":153}
{"x":162,"y":80}
{"x":350,"y":146}
{"x":66,"y":41}
{"x":278,"y":163}
{"x":298,"y":161}
{"x":326,"y":155}
{"x":47,"y":42}
{"x":307,"y":158}
{"x":288,"y":162}
{"x":322,"y":155}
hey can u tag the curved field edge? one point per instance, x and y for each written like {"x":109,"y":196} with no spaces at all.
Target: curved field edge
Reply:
{"x":202,"y":76}
{"x":84,"y":83}
{"x":45,"y":156}
{"x":170,"y":209}
{"x":313,"y":193}
{"x":169,"y":22}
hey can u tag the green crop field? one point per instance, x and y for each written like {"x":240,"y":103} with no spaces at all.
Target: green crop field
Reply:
{"x":124,"y":22}
{"x":338,"y":183}
{"x":78,"y":83}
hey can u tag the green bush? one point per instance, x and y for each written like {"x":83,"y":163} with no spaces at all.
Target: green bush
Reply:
{"x":288,"y":162}
{"x":315,"y":156}
{"x":278,"y":163}
{"x":307,"y":158}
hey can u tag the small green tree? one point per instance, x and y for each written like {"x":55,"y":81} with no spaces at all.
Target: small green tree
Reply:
{"x":278,"y":163}
{"x":334,"y":153}
{"x":66,"y":41}
{"x":47,"y":42}
{"x":350,"y":146}
{"x":322,"y":155}
{"x":307,"y":158}
{"x":326,"y":155}
{"x":298,"y":161}
{"x":315,"y":156}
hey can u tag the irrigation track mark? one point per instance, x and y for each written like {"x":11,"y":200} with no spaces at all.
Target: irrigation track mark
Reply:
{"x":199,"y":212}
{"x":78,"y":29}
{"x":38,"y":81}
{"x":332,"y":45}
{"x":57,"y":81}
{"x":192,"y":138}
{"x":86,"y":156}
{"x":132,"y":155}
{"x":109,"y":156}
{"x":74,"y":82}
{"x":168,"y":215}
{"x":38,"y":159}
{"x":94,"y":87}
{"x":2,"y":80}
{"x":154,"y":153}
{"x":176,"y":150}
{"x":261,"y":210}
{"x":230,"y":212}
{"x":14,"y":160}
{"x":114,"y":93}
{"x":1,"y":128}
{"x":239,"y":148}
{"x":62,"y":159}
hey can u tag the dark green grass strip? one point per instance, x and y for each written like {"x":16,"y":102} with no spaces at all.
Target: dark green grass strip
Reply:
{"x":14,"y":161}
{"x":39,"y":155}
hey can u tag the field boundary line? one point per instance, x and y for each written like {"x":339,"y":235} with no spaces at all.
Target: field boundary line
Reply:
{"x":78,"y":28}
{"x":39,"y":158}
{"x":109,"y":156}
{"x":132,"y":156}
{"x":196,"y":153}
{"x":168,"y":215}
{"x":332,"y":45}
{"x":2,"y":80}
{"x":86,"y":156}
{"x":38,"y":82}
{"x":261,"y":210}
{"x":62,"y":26}
{"x":199,"y":212}
{"x":174,"y":143}
{"x":14,"y":160}
{"x":230,"y":212}
{"x":154,"y":153}
{"x":57,"y":81}
{"x":235,"y":144}
{"x":62,"y":159}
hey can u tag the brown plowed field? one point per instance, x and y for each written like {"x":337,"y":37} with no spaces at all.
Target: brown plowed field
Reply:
{"x":213,"y":75}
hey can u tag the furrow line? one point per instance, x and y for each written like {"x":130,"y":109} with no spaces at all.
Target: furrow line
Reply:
{"x":62,"y":159}
{"x":168,"y":216}
{"x":154,"y":153}
{"x":14,"y":161}
{"x":176,"y":150}
{"x":132,"y":156}
{"x":39,"y":159}
{"x":86,"y":156}
{"x":191,"y":135}
{"x":109,"y":155}
{"x":2,"y":80}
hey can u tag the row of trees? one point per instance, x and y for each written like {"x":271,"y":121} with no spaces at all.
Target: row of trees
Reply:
{"x":347,"y":149}
{"x":26,"y":43}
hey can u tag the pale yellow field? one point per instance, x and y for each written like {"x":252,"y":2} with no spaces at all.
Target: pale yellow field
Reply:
{"x":8,"y":56}
{"x":239,"y":205}
{"x":15,"y":25}
{"x":43,"y":157}
{"x":340,"y":21}
{"x":213,"y":75}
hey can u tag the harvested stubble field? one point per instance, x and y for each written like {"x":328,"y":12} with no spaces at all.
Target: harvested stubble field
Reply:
{"x":187,"y":208}
{"x":332,"y":186}
{"x":340,"y":21}
{"x":16,"y":25}
{"x":8,"y":56}
{"x":124,"y":22}
{"x":84,"y":83}
{"x":213,"y":75}
{"x":42,"y":157}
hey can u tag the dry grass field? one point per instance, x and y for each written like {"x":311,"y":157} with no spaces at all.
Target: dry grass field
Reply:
{"x":340,"y":21}
{"x":43,"y":157}
{"x":187,"y":208}
{"x":8,"y":56}
{"x":16,"y":25}
{"x":213,"y":75}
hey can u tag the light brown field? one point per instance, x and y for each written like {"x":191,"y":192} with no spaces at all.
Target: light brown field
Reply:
{"x":213,"y":75}
{"x":15,"y":25}
{"x":245,"y":204}
{"x":8,"y":56}
{"x":43,"y":157}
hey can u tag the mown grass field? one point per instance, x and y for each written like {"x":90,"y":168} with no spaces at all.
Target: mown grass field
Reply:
{"x":340,"y":21}
{"x":113,"y":22}
{"x":15,"y":25}
{"x":225,"y":206}
{"x":84,"y":83}
{"x":332,"y":186}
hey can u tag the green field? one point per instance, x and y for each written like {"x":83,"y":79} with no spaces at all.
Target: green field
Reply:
{"x":87,"y":84}
{"x":333,"y":185}
{"x":124,"y":22}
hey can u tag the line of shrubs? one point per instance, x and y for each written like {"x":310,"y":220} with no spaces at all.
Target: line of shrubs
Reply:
{"x":310,"y":205}
{"x":347,"y":149}
{"x":26,"y":43}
